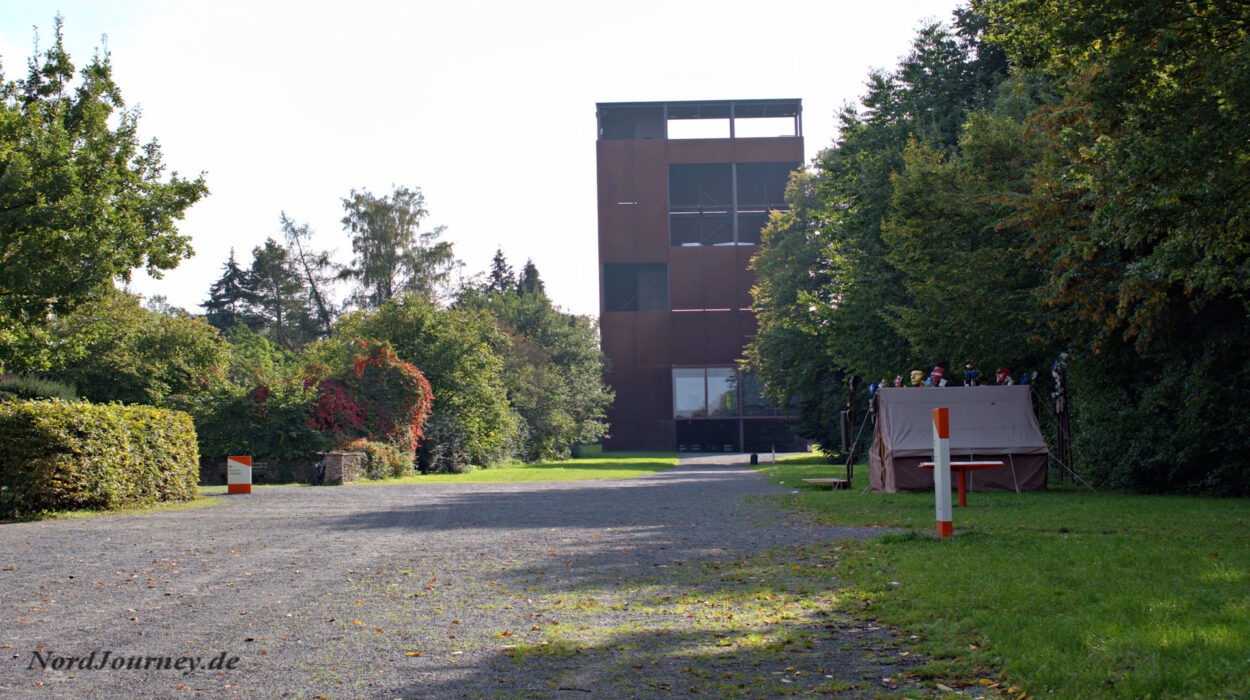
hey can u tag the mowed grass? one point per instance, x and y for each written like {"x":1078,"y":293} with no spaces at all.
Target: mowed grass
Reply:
{"x":595,"y":464}
{"x":201,"y":502}
{"x":1072,"y":592}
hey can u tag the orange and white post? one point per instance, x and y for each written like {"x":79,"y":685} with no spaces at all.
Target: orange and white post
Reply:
{"x":942,"y":470}
{"x":238,"y":474}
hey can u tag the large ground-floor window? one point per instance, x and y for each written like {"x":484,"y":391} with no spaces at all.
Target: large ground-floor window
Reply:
{"x":719,"y":392}
{"x":723,"y":409}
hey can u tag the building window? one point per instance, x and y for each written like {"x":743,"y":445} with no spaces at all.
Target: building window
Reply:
{"x":724,"y":203}
{"x":722,"y":391}
{"x":635,"y":286}
{"x":754,"y":403}
{"x":719,"y":392}
{"x":689,"y":393}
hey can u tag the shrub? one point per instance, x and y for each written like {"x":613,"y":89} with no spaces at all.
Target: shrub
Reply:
{"x":56,"y":455}
{"x":460,"y":353}
{"x":26,"y":388}
{"x":1140,"y":424}
{"x":265,"y":419}
{"x":379,"y":398}
{"x":381,"y":460}
{"x":115,"y":350}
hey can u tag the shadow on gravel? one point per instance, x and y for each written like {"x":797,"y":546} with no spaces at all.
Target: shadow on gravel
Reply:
{"x":680,"y":582}
{"x":846,"y":662}
{"x":759,"y":626}
{"x":677,"y":496}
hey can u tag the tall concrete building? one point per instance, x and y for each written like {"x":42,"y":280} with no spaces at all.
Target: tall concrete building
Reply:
{"x":684,"y":190}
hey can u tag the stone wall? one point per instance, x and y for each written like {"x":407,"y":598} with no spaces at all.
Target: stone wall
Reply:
{"x":344,"y":467}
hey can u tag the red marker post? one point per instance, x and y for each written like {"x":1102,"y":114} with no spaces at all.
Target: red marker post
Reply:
{"x":942,"y":471}
{"x":239,"y":474}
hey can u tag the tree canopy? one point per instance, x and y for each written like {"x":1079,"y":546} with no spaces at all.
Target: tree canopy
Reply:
{"x":393,"y":255}
{"x":1038,"y":176}
{"x":82,"y":201}
{"x":553,"y":366}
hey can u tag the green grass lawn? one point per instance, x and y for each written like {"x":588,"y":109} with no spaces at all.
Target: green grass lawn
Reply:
{"x":1077,"y":592}
{"x":200,"y":502}
{"x":594,"y":464}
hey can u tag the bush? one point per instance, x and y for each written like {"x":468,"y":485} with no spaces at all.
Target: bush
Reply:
{"x":459,"y":352}
{"x":115,"y":350}
{"x":57,"y":455}
{"x":380,"y":398}
{"x":1145,"y":425}
{"x":27,"y":388}
{"x":381,"y":460}
{"x":266,"y":419}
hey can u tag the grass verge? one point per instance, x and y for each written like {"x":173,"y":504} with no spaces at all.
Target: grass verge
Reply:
{"x":201,"y":502}
{"x":593,"y":465}
{"x":1079,"y":593}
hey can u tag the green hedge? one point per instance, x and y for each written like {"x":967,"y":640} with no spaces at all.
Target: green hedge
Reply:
{"x":57,"y":455}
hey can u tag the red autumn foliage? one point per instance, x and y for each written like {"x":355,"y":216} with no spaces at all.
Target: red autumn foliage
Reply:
{"x":381,"y":398}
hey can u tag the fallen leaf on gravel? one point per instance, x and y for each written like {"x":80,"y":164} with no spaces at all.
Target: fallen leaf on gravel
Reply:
{"x":945,"y":688}
{"x":416,"y":653}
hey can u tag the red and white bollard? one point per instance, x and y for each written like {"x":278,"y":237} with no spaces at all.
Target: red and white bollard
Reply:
{"x":942,"y":470}
{"x":239,"y":474}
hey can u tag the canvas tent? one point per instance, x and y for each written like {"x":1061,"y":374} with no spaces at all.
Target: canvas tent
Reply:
{"x":986,"y":422}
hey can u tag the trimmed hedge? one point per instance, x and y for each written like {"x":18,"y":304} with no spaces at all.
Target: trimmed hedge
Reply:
{"x":57,"y":455}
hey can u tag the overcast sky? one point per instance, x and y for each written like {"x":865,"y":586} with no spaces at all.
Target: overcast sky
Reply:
{"x":488,"y":107}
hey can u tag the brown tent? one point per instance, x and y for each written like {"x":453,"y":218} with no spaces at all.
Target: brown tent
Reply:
{"x":986,"y":422}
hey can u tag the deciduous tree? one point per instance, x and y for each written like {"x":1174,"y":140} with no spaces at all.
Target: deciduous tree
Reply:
{"x":82,"y":201}
{"x":393,"y":255}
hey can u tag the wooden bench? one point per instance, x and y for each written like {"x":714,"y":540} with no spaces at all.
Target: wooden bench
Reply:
{"x":835,"y":484}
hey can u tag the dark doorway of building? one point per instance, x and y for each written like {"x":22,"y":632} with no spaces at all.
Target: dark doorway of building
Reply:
{"x":707,"y":436}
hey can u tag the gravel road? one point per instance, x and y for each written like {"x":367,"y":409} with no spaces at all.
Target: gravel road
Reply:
{"x":415,"y":591}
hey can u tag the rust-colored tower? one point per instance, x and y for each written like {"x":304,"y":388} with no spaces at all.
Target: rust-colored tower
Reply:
{"x":684,"y":189}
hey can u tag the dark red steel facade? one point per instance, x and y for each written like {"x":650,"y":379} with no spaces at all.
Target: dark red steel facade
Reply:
{"x":706,"y":319}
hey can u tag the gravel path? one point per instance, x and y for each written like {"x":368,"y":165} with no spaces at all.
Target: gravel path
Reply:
{"x":464,"y":590}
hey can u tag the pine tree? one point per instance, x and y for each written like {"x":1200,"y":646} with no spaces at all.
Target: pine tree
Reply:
{"x":530,"y":282}
{"x":229,"y":298}
{"x":502,"y":278}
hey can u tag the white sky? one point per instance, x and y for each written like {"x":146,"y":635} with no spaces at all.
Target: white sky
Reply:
{"x":488,"y":107}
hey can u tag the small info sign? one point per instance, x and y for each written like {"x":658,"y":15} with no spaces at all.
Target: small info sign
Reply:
{"x":239,"y":474}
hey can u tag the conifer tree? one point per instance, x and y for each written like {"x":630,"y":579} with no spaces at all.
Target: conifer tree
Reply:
{"x":229,"y":298}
